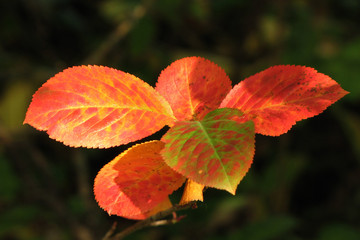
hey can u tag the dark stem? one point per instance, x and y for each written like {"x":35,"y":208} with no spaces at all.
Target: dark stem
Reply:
{"x":155,"y":220}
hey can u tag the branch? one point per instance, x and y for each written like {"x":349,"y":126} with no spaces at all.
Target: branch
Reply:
{"x":155,"y":220}
{"x":119,"y":33}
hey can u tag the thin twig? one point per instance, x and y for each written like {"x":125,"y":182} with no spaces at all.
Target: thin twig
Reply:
{"x":119,"y":33}
{"x":155,"y":220}
{"x":110,"y":232}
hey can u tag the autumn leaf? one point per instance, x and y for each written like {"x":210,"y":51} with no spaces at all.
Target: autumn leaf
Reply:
{"x":136,"y":184}
{"x":94,"y":106}
{"x":216,"y":151}
{"x":193,"y":86}
{"x":275,"y":99}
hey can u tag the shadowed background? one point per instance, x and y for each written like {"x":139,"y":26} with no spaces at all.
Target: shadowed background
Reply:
{"x":302,"y":185}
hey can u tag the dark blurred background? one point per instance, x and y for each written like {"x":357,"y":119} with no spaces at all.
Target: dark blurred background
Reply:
{"x":302,"y":185}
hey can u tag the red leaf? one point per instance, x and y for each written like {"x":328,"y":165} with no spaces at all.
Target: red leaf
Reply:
{"x":136,"y":184}
{"x":215,"y":152}
{"x":193,"y":86}
{"x":275,"y":99}
{"x":94,"y":106}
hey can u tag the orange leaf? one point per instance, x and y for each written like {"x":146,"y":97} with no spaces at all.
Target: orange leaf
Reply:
{"x":136,"y":184}
{"x":275,"y":99}
{"x":192,"y":192}
{"x":94,"y":106}
{"x":193,"y":86}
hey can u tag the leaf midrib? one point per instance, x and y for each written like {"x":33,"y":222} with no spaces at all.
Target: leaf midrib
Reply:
{"x":213,"y":147}
{"x":283,"y":103}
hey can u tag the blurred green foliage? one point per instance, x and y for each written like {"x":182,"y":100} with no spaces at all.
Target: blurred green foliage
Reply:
{"x":302,"y":185}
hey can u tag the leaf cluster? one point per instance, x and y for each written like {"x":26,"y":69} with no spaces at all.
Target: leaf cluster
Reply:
{"x":211,"y":140}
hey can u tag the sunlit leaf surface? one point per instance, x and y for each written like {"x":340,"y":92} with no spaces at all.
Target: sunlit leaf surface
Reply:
{"x":275,"y":99}
{"x":94,"y":106}
{"x":193,"y":86}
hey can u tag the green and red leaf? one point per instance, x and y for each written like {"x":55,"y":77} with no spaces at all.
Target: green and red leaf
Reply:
{"x":276,"y":98}
{"x":216,"y":151}
{"x":136,"y":184}
{"x":193,"y":86}
{"x":94,"y":106}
